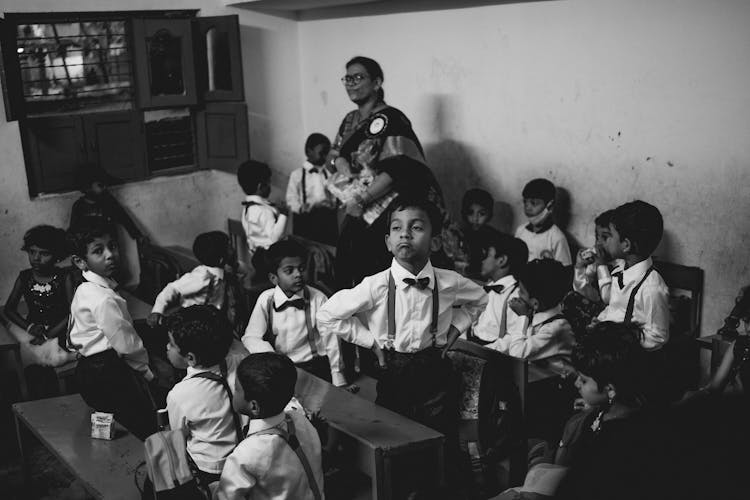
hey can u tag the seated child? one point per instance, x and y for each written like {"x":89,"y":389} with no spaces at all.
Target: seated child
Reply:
{"x":591,"y":275}
{"x":505,"y":256}
{"x":638,"y":293}
{"x":542,"y":286}
{"x":476,"y":209}
{"x":267,"y":464}
{"x":541,"y":235}
{"x":408,"y":314}
{"x":284,"y":317}
{"x":204,"y":284}
{"x":199,"y":340}
{"x":313,"y":207}
{"x":113,"y":366}
{"x":264,"y":224}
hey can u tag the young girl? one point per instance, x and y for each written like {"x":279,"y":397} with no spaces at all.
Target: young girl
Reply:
{"x":474,"y":232}
{"x":47,"y":291}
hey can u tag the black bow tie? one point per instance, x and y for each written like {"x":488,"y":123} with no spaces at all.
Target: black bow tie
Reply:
{"x":619,"y":279}
{"x":493,"y":288}
{"x":314,"y":170}
{"x":421,"y":283}
{"x":298,"y":303}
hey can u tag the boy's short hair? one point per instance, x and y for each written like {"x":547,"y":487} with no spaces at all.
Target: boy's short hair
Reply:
{"x":541,"y":189}
{"x":281,"y":249}
{"x":641,"y":223}
{"x":604,"y":218}
{"x":269,"y":378}
{"x":611,"y":353}
{"x":202,"y":330}
{"x":211,"y":248}
{"x":504,"y":244}
{"x":546,"y":280}
{"x":479,"y":197}
{"x":251,"y":173}
{"x":79,"y":237}
{"x":314,"y":139}
{"x":419,"y":203}
{"x":47,"y":237}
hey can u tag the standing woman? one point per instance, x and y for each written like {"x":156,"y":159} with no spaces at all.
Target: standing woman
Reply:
{"x":374,"y":141}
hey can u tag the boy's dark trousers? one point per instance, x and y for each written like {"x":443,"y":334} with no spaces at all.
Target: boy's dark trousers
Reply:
{"x":109,"y":385}
{"x":319,"y":224}
{"x":318,"y":366}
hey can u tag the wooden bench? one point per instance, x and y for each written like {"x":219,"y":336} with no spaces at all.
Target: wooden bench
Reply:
{"x":63,"y":425}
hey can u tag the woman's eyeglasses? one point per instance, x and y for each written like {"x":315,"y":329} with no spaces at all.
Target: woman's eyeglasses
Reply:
{"x":353,"y":79}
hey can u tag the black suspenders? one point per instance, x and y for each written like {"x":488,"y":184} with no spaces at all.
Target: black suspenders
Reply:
{"x":631,"y":301}
{"x":312,"y":330}
{"x":392,"y":311}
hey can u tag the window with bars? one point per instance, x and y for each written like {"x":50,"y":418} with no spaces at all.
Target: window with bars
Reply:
{"x":75,"y":66}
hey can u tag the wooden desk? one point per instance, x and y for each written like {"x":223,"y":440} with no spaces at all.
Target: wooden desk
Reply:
{"x":138,"y":309}
{"x":8,"y":343}
{"x":377,"y":435}
{"x":63,"y":425}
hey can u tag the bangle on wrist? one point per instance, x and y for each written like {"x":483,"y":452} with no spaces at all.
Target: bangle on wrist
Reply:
{"x":29,"y":327}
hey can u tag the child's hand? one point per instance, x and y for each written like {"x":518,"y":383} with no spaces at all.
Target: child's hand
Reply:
{"x":343,"y":166}
{"x":580,"y":405}
{"x":585,"y":257}
{"x":154,"y":319}
{"x":453,"y":335}
{"x":353,"y":388}
{"x":37,"y":331}
{"x":353,"y":208}
{"x":38,"y":340}
{"x":379,"y":354}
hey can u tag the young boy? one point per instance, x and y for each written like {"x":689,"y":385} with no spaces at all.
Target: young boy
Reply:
{"x":505,"y":256}
{"x":407,"y":315}
{"x":476,"y":208}
{"x":541,"y":235}
{"x":542,"y":286}
{"x":199,"y":340}
{"x":113,"y":368}
{"x":313,"y":207}
{"x":204,"y":284}
{"x":263,"y":222}
{"x":284,"y":317}
{"x":267,"y":464}
{"x":638,"y":292}
{"x":591,"y":275}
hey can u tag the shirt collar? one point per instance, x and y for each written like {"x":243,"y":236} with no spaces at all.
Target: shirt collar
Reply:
{"x":99,"y":280}
{"x":192,"y":370}
{"x":216,"y":271}
{"x":399,"y":273}
{"x":507,"y":281}
{"x":309,"y":166}
{"x":636,"y":271}
{"x":254,"y":198}
{"x":543,"y":316}
{"x":279,"y":297}
{"x":261,"y":424}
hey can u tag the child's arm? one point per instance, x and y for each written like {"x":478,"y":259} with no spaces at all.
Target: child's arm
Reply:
{"x":331,"y":343}
{"x":562,"y":250}
{"x":294,"y":193}
{"x":655,"y":302}
{"x":122,"y":336}
{"x":187,"y":284}
{"x":471,"y":299}
{"x":237,"y":479}
{"x":61,"y":327}
{"x":531,"y":346}
{"x":337,"y":315}
{"x":11,"y":306}
{"x":257,"y":326}
{"x":261,"y":222}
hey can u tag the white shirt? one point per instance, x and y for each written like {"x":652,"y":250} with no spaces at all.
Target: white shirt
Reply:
{"x":489,"y":326}
{"x":360,"y":314}
{"x":550,"y":243}
{"x":290,"y":328}
{"x":651,"y":306}
{"x":202,"y":285}
{"x":202,"y":407}
{"x":262,"y":222}
{"x":541,"y":339}
{"x":584,"y":279}
{"x":315,"y":188}
{"x":265,"y":467}
{"x":101,"y":321}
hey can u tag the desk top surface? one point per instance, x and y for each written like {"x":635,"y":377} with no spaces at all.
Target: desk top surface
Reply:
{"x":372,"y":425}
{"x":137,"y":308}
{"x":63,"y":424}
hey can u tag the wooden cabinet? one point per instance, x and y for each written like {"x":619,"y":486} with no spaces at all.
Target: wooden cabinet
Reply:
{"x":115,"y":142}
{"x":223,"y":135}
{"x":218,"y":58}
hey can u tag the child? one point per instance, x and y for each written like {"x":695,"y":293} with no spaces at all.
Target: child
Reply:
{"x":199,"y":340}
{"x":476,"y":208}
{"x":542,"y":286}
{"x":407,"y":315}
{"x":638,"y":293}
{"x":113,"y":364}
{"x":313,"y":207}
{"x":284,"y":316}
{"x":591,"y":276}
{"x":263,"y":222}
{"x":267,"y":464}
{"x":505,"y":256}
{"x":204,"y":284}
{"x":541,"y":235}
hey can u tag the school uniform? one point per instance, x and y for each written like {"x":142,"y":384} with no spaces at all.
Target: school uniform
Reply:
{"x":549,"y":243}
{"x":397,"y":310}
{"x":639,"y":294}
{"x":264,"y":466}
{"x":113,"y":367}
{"x":204,"y":285}
{"x":262,"y":222}
{"x":307,"y":187}
{"x":498,"y":319}
{"x":548,"y":334}
{"x":287,"y":325}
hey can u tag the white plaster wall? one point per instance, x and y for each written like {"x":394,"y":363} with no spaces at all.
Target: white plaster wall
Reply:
{"x":171,"y":210}
{"x":611,"y":100}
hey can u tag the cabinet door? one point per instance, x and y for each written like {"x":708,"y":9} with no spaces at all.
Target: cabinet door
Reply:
{"x":218,"y":58}
{"x":223,"y":136}
{"x":164,"y":63}
{"x":114,"y":141}
{"x":54,"y":152}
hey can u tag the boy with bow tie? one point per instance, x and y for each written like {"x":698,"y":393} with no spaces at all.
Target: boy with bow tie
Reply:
{"x":284,"y":317}
{"x":504,"y":256}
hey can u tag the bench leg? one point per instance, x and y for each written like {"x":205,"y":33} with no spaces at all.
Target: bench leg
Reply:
{"x":381,"y":484}
{"x":21,"y":375}
{"x":24,"y":463}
